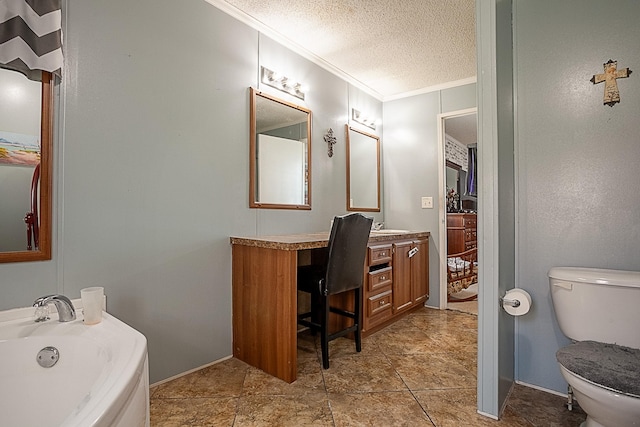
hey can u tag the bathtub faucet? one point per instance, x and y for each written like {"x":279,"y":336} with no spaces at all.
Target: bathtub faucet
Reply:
{"x":66,"y":311}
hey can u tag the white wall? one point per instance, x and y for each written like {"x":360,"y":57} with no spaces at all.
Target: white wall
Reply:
{"x":578,"y":200}
{"x":151,"y":176}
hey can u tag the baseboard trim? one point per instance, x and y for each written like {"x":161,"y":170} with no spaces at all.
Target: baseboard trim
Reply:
{"x":546,"y":390}
{"x":190,"y":371}
{"x":484,"y":414}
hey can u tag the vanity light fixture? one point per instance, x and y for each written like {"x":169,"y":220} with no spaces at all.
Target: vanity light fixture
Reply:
{"x":283,"y":83}
{"x":357,"y":116}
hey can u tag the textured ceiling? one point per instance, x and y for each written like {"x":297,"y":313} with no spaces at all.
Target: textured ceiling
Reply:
{"x":392,"y":47}
{"x":463,"y":128}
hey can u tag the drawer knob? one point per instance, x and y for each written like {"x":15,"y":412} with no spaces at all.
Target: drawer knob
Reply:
{"x":383,"y":278}
{"x":382,"y":302}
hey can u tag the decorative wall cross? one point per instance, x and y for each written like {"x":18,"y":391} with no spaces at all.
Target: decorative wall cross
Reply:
{"x":609,"y":77}
{"x":330,"y":139}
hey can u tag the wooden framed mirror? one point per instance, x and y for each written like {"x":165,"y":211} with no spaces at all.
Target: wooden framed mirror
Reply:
{"x":26,"y":116}
{"x":363,"y":171}
{"x":452,"y":172}
{"x":280,"y":153}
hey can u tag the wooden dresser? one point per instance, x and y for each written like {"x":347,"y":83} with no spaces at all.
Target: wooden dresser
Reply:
{"x":461,"y":232}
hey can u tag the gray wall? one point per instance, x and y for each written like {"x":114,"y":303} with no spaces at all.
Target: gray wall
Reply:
{"x":410,"y":144}
{"x":506,"y":194}
{"x":577,"y":159}
{"x":496,"y":219}
{"x":151,"y":176}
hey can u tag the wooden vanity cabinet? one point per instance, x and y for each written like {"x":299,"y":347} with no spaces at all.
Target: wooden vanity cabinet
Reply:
{"x":396,"y":280}
{"x":420,"y":272}
{"x":265,"y":297}
{"x":377,"y":297}
{"x":402,"y":276}
{"x":411,"y":274}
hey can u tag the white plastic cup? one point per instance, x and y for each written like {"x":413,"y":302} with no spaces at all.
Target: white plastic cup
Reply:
{"x":92,"y":304}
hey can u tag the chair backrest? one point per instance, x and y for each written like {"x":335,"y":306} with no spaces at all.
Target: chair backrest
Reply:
{"x":347,"y":251}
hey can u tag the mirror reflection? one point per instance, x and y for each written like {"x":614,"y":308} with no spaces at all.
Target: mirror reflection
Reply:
{"x":363,"y":171}
{"x":453,"y":187}
{"x":25,"y":165}
{"x":280,"y":150}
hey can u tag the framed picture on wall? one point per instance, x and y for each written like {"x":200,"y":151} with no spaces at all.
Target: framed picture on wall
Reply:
{"x":18,"y":149}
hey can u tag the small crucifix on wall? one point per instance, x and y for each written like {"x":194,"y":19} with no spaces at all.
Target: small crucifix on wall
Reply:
{"x":330,"y":139}
{"x":609,"y":77}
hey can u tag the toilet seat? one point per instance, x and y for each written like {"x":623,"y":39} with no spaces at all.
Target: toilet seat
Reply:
{"x":611,"y":366}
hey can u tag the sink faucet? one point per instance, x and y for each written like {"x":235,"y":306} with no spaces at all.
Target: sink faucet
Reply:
{"x":66,"y":311}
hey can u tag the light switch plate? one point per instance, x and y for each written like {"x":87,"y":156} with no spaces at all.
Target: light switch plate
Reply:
{"x":427,"y":203}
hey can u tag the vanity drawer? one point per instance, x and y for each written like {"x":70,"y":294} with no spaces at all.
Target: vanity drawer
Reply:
{"x":379,"y":254}
{"x":379,"y":307}
{"x":379,"y":279}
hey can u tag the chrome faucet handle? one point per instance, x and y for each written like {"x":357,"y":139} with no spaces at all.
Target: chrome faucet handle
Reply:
{"x":66,"y":310}
{"x":41,"y":313}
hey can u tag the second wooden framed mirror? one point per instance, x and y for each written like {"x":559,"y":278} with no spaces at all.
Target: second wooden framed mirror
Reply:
{"x":363,"y":171}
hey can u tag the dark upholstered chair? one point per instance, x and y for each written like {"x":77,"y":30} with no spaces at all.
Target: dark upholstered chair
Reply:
{"x":342,"y":272}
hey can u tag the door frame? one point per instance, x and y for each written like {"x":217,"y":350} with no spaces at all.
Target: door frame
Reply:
{"x":442,"y":210}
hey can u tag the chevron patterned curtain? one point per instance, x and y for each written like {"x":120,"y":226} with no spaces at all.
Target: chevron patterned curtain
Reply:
{"x":31,"y":36}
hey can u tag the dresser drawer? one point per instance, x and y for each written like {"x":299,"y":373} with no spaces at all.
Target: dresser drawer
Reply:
{"x":379,"y":279}
{"x":379,"y":254}
{"x":379,"y":307}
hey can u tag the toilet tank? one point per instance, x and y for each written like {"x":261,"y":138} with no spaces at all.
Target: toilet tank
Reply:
{"x":597,"y":304}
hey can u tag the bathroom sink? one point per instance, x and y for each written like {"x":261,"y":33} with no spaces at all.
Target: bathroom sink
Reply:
{"x":389,"y":231}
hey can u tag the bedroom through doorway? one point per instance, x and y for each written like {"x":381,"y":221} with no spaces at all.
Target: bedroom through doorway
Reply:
{"x":459,"y":209}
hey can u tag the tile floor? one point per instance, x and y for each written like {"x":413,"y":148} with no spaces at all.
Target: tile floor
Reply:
{"x":470,"y":307}
{"x":465,"y":306}
{"x":421,"y":371}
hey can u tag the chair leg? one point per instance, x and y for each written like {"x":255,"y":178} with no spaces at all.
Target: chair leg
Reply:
{"x":357,"y":311}
{"x":315,"y":316}
{"x":324,"y":331}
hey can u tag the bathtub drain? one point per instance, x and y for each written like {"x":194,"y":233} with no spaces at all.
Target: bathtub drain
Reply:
{"x":48,"y":356}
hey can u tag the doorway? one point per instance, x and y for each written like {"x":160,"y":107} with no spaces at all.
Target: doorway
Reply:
{"x":458,"y":137}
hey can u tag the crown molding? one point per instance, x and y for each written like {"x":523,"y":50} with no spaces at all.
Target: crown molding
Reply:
{"x":442,"y":86}
{"x":300,"y":50}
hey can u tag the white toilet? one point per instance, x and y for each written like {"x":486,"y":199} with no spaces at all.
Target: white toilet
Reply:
{"x":600,"y":311}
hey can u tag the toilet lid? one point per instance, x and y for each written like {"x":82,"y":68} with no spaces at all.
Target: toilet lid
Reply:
{"x":609,"y":365}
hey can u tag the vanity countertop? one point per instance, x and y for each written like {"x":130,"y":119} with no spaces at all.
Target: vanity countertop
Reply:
{"x":295,"y":242}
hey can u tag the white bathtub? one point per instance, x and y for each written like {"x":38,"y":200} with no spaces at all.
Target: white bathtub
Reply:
{"x":101,"y":377}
